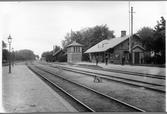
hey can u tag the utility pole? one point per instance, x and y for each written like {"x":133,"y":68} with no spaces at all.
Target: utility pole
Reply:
{"x":131,"y":37}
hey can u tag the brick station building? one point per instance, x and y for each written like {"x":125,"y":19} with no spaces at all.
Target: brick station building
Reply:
{"x":115,"y":48}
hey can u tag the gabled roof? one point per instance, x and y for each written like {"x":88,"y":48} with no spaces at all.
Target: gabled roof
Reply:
{"x":107,"y":44}
{"x":138,"y":46}
{"x":74,"y":44}
{"x":57,"y":52}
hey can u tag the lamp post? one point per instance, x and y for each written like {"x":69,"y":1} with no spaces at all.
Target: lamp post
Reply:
{"x":9,"y":41}
{"x":13,"y":56}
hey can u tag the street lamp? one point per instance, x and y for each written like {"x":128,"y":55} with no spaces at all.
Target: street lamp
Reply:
{"x":13,"y":57}
{"x":9,"y":41}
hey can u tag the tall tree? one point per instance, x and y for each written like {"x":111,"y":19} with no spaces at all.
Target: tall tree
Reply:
{"x":154,"y":40}
{"x":56,"y":48}
{"x":147,"y":37}
{"x":160,"y":39}
{"x":88,"y":36}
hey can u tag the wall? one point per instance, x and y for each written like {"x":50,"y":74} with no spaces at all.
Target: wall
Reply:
{"x":119,"y":50}
{"x":74,"y":54}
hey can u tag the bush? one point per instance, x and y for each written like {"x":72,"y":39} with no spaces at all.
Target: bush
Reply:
{"x":154,"y":60}
{"x":148,"y":59}
{"x":85,"y":57}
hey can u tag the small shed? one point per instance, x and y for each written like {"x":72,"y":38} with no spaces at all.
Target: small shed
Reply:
{"x":57,"y":56}
{"x":74,"y":52}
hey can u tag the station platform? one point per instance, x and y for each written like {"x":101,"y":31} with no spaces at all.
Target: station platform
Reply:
{"x":24,"y":92}
{"x":132,"y":68}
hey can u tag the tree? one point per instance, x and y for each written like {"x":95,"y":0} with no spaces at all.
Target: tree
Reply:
{"x":56,"y":48}
{"x":37,"y":56}
{"x":159,"y":40}
{"x":154,"y":40}
{"x":88,"y":37}
{"x":47,"y":53}
{"x":24,"y":55}
{"x":5,"y":54}
{"x":3,"y":44}
{"x":147,"y":37}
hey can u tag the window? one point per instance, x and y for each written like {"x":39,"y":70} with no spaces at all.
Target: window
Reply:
{"x":72,"y":49}
{"x":77,"y":49}
{"x":117,"y":56}
{"x":111,"y":56}
{"x":80,"y":49}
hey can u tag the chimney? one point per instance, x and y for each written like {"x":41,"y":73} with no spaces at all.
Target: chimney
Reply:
{"x":123,"y":33}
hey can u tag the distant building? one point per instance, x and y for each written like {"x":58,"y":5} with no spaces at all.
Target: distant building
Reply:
{"x":57,"y":56}
{"x":49,"y":58}
{"x":115,"y":49}
{"x":74,"y":52}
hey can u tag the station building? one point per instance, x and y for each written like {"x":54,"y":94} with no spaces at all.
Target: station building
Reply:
{"x":74,"y":52}
{"x":115,"y":48}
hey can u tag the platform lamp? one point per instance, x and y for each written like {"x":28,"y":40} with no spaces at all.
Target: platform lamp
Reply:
{"x":9,"y":41}
{"x":13,"y":57}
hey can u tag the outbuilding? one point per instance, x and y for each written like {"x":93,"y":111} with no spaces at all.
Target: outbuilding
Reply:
{"x":115,"y":49}
{"x":57,"y":56}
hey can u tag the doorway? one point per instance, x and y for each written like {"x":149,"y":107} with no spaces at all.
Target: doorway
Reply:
{"x":137,"y":57}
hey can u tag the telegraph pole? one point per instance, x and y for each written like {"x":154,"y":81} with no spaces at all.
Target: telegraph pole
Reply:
{"x":131,"y":37}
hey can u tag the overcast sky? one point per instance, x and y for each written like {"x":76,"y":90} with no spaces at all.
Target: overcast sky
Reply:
{"x":40,"y":25}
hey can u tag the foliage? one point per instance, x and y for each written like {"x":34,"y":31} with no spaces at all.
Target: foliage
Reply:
{"x":5,"y":55}
{"x":4,"y":52}
{"x":159,"y":40}
{"x":49,"y":58}
{"x":88,"y":37}
{"x":3,"y":44}
{"x":37,"y":56}
{"x":56,"y":48}
{"x":47,"y":53}
{"x":154,"y":40}
{"x":147,"y":34}
{"x":17,"y":55}
{"x":24,"y":55}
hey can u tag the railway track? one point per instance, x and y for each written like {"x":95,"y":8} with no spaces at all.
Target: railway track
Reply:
{"x":88,"y":97}
{"x":137,"y":74}
{"x":129,"y":73}
{"x":147,"y":85}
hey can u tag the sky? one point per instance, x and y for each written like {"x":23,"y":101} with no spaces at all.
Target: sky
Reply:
{"x":39,"y":25}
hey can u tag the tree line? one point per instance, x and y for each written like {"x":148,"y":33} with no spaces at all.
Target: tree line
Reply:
{"x":22,"y":55}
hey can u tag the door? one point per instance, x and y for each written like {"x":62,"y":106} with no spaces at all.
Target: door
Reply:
{"x":137,"y":57}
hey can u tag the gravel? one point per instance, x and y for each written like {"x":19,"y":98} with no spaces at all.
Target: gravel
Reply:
{"x":147,"y":100}
{"x":23,"y":92}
